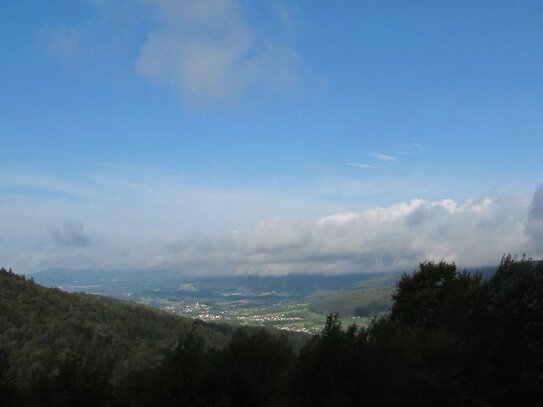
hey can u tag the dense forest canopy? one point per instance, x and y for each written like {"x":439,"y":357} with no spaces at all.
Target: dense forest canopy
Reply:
{"x":40,"y":327}
{"x":451,"y":338}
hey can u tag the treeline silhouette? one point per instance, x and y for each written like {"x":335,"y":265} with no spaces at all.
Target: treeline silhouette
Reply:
{"x":450,"y":338}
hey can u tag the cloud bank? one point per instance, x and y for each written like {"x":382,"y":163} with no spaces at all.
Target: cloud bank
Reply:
{"x":378,"y":239}
{"x":534,"y":224}
{"x":163,"y":222}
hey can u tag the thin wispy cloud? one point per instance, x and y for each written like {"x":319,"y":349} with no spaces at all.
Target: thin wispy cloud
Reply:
{"x":383,"y":157}
{"x":361,"y":165}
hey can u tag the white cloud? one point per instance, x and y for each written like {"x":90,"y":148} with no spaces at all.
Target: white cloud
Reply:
{"x":383,"y":157}
{"x":360,"y":165}
{"x":160,"y":221}
{"x":338,"y":218}
{"x":207,"y":50}
{"x":381,"y":238}
{"x":534,"y":223}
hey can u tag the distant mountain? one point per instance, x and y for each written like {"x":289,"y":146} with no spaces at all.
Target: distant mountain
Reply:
{"x":109,"y":282}
{"x":118,"y":282}
{"x":122,"y":281}
{"x":368,"y":297}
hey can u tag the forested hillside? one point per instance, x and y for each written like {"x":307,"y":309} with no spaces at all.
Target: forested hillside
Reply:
{"x":451,"y":338}
{"x":43,"y":328}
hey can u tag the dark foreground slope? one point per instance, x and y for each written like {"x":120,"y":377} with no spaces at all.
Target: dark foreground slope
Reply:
{"x":451,"y":338}
{"x":43,"y":328}
{"x":75,"y":349}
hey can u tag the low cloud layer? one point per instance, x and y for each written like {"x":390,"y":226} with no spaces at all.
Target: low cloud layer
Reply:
{"x":160,"y":222}
{"x":71,"y":234}
{"x":534,"y":224}
{"x":378,"y":239}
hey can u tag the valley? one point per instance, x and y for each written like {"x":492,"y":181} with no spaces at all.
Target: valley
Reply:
{"x":297,"y":302}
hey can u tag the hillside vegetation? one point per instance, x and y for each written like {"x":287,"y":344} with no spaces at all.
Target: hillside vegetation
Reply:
{"x":366,"y":298}
{"x":451,"y":338}
{"x":42,"y":328}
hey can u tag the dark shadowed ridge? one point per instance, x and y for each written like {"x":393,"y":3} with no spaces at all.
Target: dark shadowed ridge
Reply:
{"x":41,"y":326}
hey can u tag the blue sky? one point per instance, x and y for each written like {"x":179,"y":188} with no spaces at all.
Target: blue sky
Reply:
{"x":171,"y":119}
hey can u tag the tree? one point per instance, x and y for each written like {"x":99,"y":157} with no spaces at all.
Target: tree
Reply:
{"x":420,"y":297}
